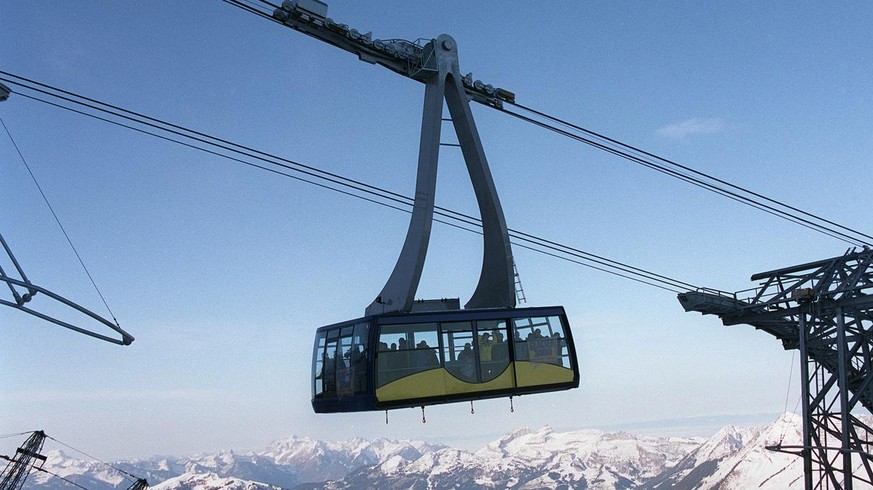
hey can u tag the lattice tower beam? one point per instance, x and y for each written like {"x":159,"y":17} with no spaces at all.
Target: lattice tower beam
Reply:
{"x":25,"y":458}
{"x":824,"y":309}
{"x":139,"y":484}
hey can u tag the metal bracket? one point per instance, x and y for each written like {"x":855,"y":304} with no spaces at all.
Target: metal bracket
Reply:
{"x":32,"y":290}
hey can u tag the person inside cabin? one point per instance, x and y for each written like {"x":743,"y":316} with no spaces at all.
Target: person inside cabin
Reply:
{"x":521,"y":347}
{"x":500,"y":350}
{"x":559,"y":347}
{"x":392,"y":364}
{"x":402,"y":358}
{"x":358,"y":368}
{"x":485,"y":345}
{"x":426,"y":357}
{"x":467,"y":360}
{"x":329,"y":371}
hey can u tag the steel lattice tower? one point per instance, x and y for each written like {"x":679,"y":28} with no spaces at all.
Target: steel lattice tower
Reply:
{"x":19,"y":467}
{"x":139,"y":484}
{"x":825,"y":310}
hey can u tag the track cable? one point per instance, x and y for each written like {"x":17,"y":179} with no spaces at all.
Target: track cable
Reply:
{"x":647,"y":159}
{"x":242,"y":154}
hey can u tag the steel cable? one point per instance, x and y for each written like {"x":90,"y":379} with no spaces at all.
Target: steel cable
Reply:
{"x":352,"y":187}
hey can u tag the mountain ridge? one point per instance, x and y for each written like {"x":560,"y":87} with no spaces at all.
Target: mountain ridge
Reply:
{"x":733,"y":458}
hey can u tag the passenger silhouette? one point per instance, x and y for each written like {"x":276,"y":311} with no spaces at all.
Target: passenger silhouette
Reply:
{"x":485,"y":345}
{"x":467,"y":359}
{"x":426,"y":356}
{"x":500,"y":350}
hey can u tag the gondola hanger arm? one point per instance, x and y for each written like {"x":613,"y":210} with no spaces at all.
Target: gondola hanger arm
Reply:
{"x":434,"y":63}
{"x":496,"y":288}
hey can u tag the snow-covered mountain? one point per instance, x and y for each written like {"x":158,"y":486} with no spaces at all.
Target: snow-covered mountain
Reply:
{"x":317,"y":461}
{"x":737,"y":459}
{"x":286,"y":463}
{"x":542,"y":459}
{"x":734,"y":458}
{"x":210,"y":481}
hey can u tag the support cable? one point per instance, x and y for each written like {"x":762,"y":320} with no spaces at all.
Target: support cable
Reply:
{"x":788,"y":394}
{"x":648,"y":159}
{"x":124,"y":473}
{"x":6,"y":436}
{"x":251,"y":8}
{"x":721,"y":187}
{"x":37,"y":468}
{"x":58,"y":221}
{"x":351,"y":187}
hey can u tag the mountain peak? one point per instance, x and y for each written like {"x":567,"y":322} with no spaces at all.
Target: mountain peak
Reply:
{"x":733,"y":458}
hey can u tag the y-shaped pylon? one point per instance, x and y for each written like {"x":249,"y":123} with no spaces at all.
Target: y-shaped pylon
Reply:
{"x":496,"y":288}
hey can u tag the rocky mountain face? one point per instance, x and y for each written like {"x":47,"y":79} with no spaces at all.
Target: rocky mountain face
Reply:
{"x":734,"y":458}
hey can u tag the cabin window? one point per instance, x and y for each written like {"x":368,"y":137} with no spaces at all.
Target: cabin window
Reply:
{"x":541,"y":340}
{"x":493,"y":348}
{"x":325,"y":359}
{"x":340,"y":361}
{"x":359,"y":358}
{"x":318,"y":364}
{"x":406,"y":349}
{"x":351,"y":360}
{"x":460,"y":349}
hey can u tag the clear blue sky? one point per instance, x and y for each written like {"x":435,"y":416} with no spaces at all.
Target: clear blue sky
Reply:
{"x":222,"y":272}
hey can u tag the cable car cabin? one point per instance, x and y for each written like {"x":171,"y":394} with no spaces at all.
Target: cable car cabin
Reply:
{"x":416,"y":359}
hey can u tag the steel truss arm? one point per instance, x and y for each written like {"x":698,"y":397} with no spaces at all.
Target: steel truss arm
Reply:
{"x":20,"y":300}
{"x":825,"y":309}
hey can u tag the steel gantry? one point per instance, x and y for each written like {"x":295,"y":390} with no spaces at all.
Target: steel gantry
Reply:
{"x":825,"y":310}
{"x":26,"y":457}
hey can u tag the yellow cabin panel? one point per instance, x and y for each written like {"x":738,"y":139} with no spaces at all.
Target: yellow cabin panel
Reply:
{"x":438,"y":382}
{"x":538,"y":374}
